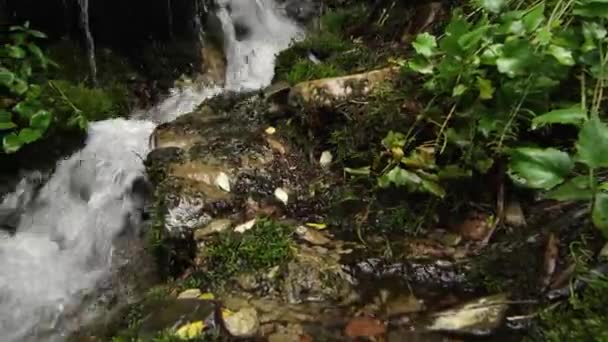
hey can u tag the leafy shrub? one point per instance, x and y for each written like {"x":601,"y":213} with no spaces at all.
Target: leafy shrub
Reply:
{"x":23,"y":118}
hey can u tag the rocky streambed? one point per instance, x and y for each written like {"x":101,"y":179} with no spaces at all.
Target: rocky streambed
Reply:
{"x":250,"y":233}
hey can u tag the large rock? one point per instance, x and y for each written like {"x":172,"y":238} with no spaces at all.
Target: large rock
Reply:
{"x":329,"y":91}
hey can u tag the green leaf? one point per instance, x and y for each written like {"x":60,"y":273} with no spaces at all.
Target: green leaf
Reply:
{"x":592,"y":144}
{"x":459,"y":90}
{"x":563,"y":55}
{"x":539,"y":168}
{"x":28,"y":135}
{"x":517,"y":57}
{"x":11,"y":143}
{"x":37,"y":52}
{"x":25,"y":109}
{"x":15,"y":52}
{"x":425,"y":44}
{"x":599,"y":215}
{"x":421,"y":65}
{"x":19,"y":86}
{"x":6,"y":77}
{"x":486,"y":90}
{"x":7,"y":126}
{"x":576,"y":189}
{"x":36,"y":34}
{"x":592,"y":9}
{"x":399,"y":177}
{"x":534,"y":18}
{"x":394,"y":139}
{"x":491,"y":54}
{"x":433,"y":188}
{"x":362,"y":171}
{"x":470,"y":40}
{"x":41,"y":120}
{"x":574,"y":115}
{"x":5,"y":116}
{"x":494,"y":6}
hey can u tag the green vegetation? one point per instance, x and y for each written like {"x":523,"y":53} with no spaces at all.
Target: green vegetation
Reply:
{"x":266,"y":245}
{"x":337,"y":55}
{"x":41,"y":97}
{"x":584,"y":317}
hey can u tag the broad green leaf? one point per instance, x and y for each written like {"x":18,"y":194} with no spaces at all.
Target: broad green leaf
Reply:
{"x":576,"y":189}
{"x":25,"y":109}
{"x":11,"y":143}
{"x":19,"y":86}
{"x":7,"y":126}
{"x":534,"y":18}
{"x":399,"y":177}
{"x":486,"y":90}
{"x":563,"y":55}
{"x":471,"y":39}
{"x":394,"y":139}
{"x":421,"y":65}
{"x":455,"y":29}
{"x":599,"y":216}
{"x":494,"y":6}
{"x":420,"y":158}
{"x":491,"y":54}
{"x":36,"y":34}
{"x":28,"y":135}
{"x":15,"y":52}
{"x":6,"y":77}
{"x":425,"y":44}
{"x":5,"y":116}
{"x":592,"y":144}
{"x":41,"y":120}
{"x":539,"y":168}
{"x":574,"y":115}
{"x":592,"y":9}
{"x":454,"y":172}
{"x":37,"y":52}
{"x":459,"y":90}
{"x":544,"y":36}
{"x":517,"y":57}
{"x":25,"y":70}
{"x":433,"y":188}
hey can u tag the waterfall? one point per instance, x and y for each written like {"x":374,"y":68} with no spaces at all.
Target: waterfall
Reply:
{"x":62,"y":252}
{"x":170,"y":19}
{"x":90,"y":43}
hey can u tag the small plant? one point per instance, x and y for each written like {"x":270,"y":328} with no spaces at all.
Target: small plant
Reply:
{"x":266,"y":245}
{"x":23,"y":118}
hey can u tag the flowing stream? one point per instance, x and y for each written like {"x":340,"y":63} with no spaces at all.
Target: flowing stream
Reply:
{"x":61,"y":254}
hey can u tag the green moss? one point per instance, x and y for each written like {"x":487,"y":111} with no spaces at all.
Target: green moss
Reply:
{"x":266,"y":245}
{"x":583,"y":318}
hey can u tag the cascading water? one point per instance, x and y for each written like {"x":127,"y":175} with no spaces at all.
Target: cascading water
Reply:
{"x":61,"y":253}
{"x":89,"y":42}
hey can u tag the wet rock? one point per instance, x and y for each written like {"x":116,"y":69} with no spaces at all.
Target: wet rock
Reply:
{"x":514,"y":215}
{"x":168,"y":314}
{"x":404,"y":304}
{"x":402,"y":334}
{"x":216,"y":226}
{"x":365,"y":327}
{"x":476,"y":226}
{"x":313,"y":236}
{"x":243,"y":323}
{"x":478,"y":317}
{"x":189,"y":294}
{"x":313,"y":276}
{"x":214,"y":64}
{"x":325,"y":92}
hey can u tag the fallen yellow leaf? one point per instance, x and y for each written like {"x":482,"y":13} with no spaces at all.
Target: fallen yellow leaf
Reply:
{"x":207,"y":296}
{"x":271,"y":130}
{"x":319,"y":226}
{"x":190,"y":330}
